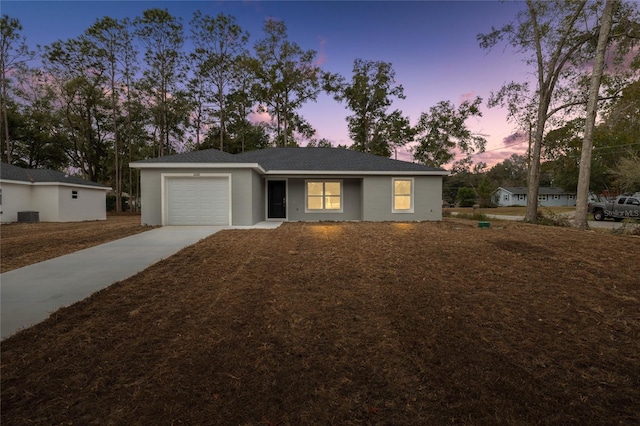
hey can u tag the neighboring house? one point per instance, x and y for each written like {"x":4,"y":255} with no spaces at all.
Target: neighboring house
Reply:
{"x":547,"y":196}
{"x":56,"y":197}
{"x":286,"y":184}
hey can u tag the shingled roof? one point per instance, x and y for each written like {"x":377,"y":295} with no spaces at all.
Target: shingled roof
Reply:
{"x":297,"y":159}
{"x":543,"y":190}
{"x":9,"y":172}
{"x":204,"y":156}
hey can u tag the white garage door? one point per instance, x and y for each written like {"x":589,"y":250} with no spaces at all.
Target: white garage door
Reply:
{"x":198,"y":201}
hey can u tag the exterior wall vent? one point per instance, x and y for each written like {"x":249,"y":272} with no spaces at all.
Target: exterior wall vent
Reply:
{"x":29,"y":217}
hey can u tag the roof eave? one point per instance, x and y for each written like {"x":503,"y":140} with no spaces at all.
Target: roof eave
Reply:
{"x":260,"y":169}
{"x":358,"y":172}
{"x":56,"y":183}
{"x":254,"y":166}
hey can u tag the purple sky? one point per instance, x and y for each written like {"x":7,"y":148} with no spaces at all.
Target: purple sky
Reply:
{"x":431,"y":44}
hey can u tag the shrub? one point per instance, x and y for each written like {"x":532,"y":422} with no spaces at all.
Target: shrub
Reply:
{"x":466,"y":197}
{"x":549,"y":218}
{"x":111,"y":203}
{"x":629,"y":227}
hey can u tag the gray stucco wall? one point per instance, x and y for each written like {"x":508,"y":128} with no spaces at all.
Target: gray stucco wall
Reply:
{"x":377,"y":197}
{"x":258,"y":197}
{"x":242,"y":197}
{"x":367,"y":198}
{"x":352,"y":203}
{"x":243,"y":183}
{"x":150,"y":197}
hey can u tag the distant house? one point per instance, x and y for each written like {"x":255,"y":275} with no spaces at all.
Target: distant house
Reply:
{"x":56,"y":196}
{"x":211,"y":187}
{"x":547,"y":196}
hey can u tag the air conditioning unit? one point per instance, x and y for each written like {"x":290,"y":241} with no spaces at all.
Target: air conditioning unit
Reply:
{"x":28,"y":217}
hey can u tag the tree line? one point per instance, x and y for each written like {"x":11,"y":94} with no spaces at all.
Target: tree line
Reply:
{"x":128,"y":89}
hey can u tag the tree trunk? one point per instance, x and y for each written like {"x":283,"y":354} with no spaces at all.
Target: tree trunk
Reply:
{"x":116,"y":147}
{"x":286,"y":119}
{"x":5,"y":118}
{"x":592,"y":109}
{"x":533,"y":180}
{"x":221,"y":103}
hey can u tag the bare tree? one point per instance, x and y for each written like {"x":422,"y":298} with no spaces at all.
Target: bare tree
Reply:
{"x":555,"y":35}
{"x":592,"y":109}
{"x":13,"y":54}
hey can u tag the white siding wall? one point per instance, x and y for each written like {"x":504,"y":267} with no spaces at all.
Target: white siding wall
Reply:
{"x":15,"y":198}
{"x":53,"y":202}
{"x":91,"y":204}
{"x":44,"y":199}
{"x":505,"y":198}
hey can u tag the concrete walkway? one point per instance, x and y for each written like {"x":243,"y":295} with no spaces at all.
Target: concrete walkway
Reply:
{"x":30,"y":294}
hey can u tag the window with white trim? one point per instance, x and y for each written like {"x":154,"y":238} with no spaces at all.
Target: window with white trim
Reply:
{"x":74,"y":195}
{"x":402,"y":195}
{"x":324,"y":196}
{"x":542,"y":197}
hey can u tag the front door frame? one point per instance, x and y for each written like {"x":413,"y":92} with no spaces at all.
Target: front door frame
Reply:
{"x":268,"y":198}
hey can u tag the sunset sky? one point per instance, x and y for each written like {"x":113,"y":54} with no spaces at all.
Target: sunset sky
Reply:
{"x":431,"y":44}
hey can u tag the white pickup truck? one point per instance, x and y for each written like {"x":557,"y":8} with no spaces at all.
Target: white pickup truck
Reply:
{"x":622,"y":207}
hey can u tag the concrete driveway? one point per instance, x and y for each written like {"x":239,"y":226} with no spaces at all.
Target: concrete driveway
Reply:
{"x":30,"y":294}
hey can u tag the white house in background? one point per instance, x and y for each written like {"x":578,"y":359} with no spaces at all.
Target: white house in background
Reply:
{"x":57,"y":197}
{"x":547,"y":196}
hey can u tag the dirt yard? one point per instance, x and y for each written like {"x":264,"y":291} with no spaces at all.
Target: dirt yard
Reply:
{"x":348,"y":324}
{"x":23,"y":244}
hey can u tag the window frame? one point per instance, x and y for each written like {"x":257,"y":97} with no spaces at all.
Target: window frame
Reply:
{"x":411,"y":195}
{"x":632,"y":201}
{"x":323,"y":196}
{"x":74,"y":194}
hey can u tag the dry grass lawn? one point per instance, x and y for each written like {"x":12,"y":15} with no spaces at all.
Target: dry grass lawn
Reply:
{"x":512,"y":211}
{"x":23,"y":244}
{"x":348,"y":324}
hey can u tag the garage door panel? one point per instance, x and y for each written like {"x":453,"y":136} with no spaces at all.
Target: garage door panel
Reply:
{"x":198,"y":201}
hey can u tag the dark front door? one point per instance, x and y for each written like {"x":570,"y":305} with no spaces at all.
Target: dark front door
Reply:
{"x":277,"y":199}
